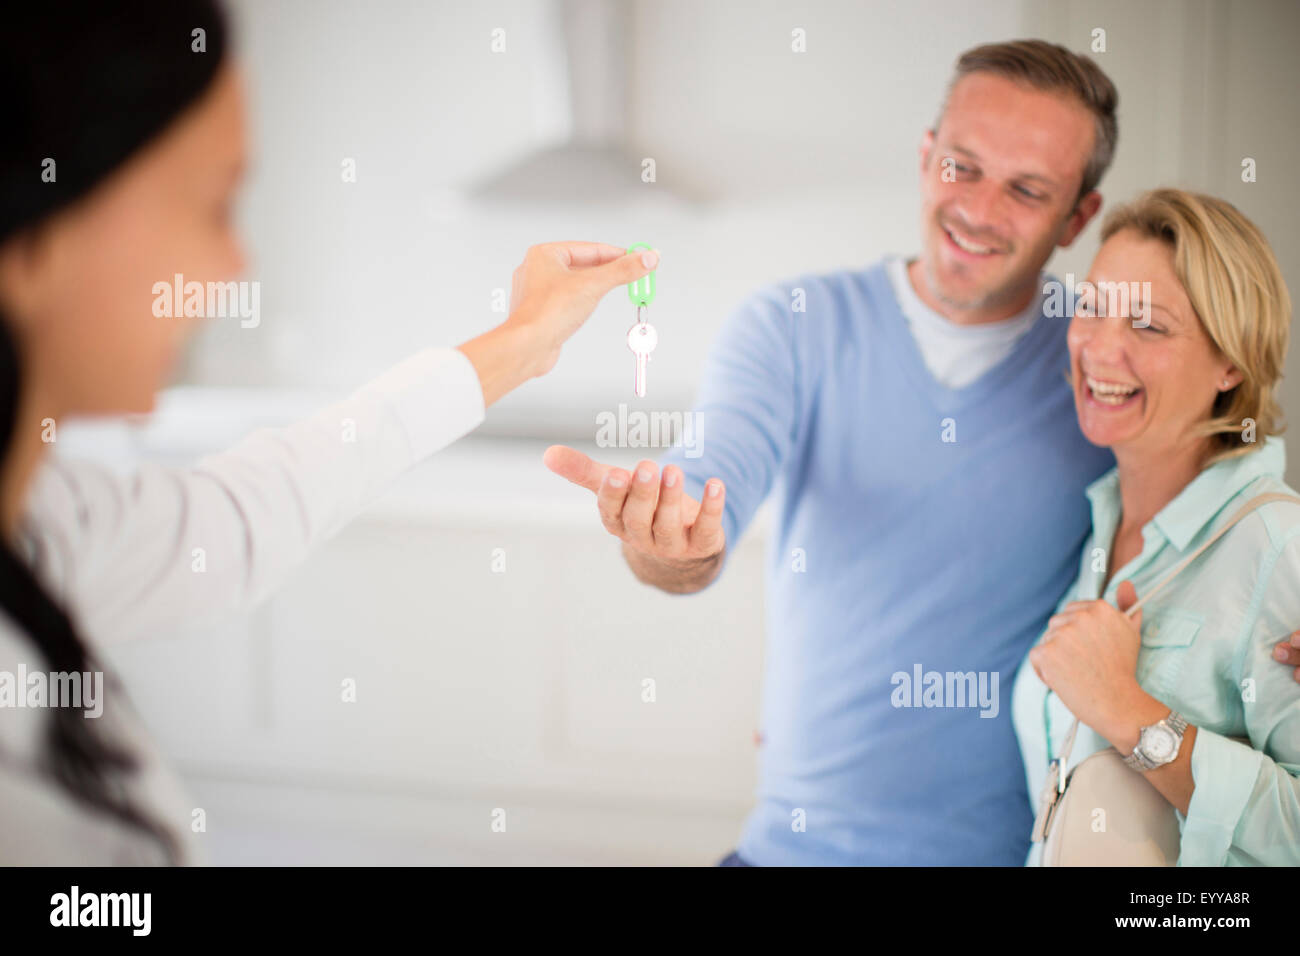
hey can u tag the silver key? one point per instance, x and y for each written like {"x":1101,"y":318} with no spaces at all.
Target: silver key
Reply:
{"x":641,"y":339}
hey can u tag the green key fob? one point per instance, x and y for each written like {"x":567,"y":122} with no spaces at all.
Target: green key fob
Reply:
{"x":642,"y":291}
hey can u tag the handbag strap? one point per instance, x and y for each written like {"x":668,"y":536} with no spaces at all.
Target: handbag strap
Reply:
{"x":1243,"y":511}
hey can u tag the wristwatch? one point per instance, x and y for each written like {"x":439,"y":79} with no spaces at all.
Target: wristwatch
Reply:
{"x":1158,"y":744}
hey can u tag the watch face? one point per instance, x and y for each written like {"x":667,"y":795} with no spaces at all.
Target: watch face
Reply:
{"x":1158,"y":743}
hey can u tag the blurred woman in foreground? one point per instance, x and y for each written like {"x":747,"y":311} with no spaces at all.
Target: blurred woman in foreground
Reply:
{"x":120,"y":166}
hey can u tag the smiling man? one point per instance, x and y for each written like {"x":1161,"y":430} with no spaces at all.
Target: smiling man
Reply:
{"x":918,"y":429}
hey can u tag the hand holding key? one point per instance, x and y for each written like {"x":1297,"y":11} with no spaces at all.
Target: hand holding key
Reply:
{"x":646,"y":511}
{"x":551,"y":294}
{"x":642,"y":337}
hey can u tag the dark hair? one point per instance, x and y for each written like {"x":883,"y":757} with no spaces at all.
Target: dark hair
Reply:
{"x":87,"y":85}
{"x":1053,"y":68}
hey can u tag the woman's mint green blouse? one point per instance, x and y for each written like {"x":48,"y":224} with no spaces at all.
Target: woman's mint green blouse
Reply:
{"x":1207,"y":643}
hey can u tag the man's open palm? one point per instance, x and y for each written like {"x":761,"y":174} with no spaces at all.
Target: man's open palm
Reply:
{"x":647,"y":511}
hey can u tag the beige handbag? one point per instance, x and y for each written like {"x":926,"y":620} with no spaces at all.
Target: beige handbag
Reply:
{"x":1141,"y":825}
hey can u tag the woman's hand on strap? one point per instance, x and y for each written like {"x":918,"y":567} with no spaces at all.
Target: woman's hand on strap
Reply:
{"x":1287,"y":653}
{"x":1089,"y":659}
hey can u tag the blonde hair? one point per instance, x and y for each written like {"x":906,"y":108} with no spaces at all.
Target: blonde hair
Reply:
{"x":1229,"y":273}
{"x":1053,"y":68}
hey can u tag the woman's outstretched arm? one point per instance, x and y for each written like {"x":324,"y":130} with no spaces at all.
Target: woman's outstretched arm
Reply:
{"x":132,"y":555}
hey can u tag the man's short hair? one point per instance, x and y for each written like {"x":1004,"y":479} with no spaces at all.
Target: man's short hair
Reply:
{"x":1052,"y":68}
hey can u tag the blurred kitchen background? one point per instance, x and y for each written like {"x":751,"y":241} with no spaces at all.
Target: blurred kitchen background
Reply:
{"x":523,"y":690}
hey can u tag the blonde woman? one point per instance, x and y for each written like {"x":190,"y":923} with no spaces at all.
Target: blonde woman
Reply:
{"x":1181,"y":388}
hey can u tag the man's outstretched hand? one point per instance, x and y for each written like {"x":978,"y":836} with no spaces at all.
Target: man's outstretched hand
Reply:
{"x":671,"y":540}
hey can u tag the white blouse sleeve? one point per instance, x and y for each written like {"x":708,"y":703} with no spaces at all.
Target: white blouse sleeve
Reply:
{"x":132,"y":555}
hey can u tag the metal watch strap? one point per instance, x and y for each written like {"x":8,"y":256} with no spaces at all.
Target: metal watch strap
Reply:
{"x":1137,"y":760}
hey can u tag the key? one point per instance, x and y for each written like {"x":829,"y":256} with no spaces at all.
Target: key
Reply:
{"x":641,"y":339}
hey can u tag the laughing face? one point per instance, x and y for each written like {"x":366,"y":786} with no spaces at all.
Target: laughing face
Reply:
{"x":1144,"y":378}
{"x":999,"y":179}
